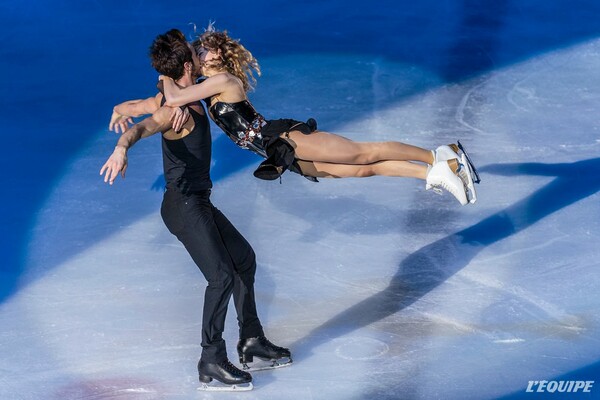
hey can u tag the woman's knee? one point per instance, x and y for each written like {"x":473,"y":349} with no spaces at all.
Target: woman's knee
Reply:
{"x":365,"y":171}
{"x":366,"y":153}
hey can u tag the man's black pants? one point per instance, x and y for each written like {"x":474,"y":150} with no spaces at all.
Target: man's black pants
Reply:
{"x":226,"y":260}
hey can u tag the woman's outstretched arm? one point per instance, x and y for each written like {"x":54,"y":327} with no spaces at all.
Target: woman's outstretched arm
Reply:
{"x":176,"y":96}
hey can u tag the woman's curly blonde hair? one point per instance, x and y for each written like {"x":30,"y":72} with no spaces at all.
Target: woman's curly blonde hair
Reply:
{"x":235,"y":59}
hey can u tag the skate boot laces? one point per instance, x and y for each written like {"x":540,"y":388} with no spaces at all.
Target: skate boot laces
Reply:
{"x":267,"y":343}
{"x":229,"y":367}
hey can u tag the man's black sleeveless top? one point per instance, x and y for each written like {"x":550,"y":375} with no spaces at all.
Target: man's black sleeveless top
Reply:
{"x":186,"y":161}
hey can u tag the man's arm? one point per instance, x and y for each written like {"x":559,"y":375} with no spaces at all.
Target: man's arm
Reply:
{"x":137,"y":108}
{"x":117,"y":162}
{"x":121,"y":117}
{"x":122,"y":113}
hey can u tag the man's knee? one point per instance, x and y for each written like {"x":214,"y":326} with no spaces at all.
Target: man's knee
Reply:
{"x":222,"y":279}
{"x":247,"y":265}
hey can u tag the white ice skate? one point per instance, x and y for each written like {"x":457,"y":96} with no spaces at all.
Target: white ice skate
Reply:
{"x":467,"y":173}
{"x":441,"y":176}
{"x":444,"y":153}
{"x":455,"y":150}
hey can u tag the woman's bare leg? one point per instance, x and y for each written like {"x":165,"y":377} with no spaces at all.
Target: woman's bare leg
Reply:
{"x":383,"y":168}
{"x":448,"y":179}
{"x":330,"y":148}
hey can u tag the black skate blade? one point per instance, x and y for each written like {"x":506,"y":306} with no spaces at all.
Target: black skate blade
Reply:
{"x":473,"y":169}
{"x":216,"y":386}
{"x":263,"y":365}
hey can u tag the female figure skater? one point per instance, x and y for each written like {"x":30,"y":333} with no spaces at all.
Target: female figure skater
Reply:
{"x":299,"y":146}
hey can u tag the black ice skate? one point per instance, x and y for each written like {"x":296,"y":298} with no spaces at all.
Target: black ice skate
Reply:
{"x":225,"y":372}
{"x":261,"y":348}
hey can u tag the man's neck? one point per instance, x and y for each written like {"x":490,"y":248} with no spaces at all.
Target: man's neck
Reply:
{"x":185,"y":81}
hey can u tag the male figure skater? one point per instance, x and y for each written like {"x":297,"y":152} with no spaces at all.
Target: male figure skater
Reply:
{"x":225,"y":258}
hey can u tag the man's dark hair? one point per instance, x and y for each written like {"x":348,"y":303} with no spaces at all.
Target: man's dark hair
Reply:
{"x":169,"y":52}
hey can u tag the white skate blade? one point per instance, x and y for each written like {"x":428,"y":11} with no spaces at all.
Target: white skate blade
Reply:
{"x":470,"y":186}
{"x":266,"y":365}
{"x":216,"y":386}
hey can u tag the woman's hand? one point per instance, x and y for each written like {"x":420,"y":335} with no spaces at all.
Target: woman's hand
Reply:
{"x":179,"y":117}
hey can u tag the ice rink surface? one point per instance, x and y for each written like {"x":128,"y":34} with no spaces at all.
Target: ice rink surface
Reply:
{"x":380,"y":288}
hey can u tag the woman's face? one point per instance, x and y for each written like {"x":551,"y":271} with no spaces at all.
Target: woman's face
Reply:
{"x":196,"y":62}
{"x":206,"y":56}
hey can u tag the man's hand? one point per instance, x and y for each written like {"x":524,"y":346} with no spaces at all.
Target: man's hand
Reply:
{"x":179,"y":117}
{"x":116,"y":163}
{"x":119,"y":123}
